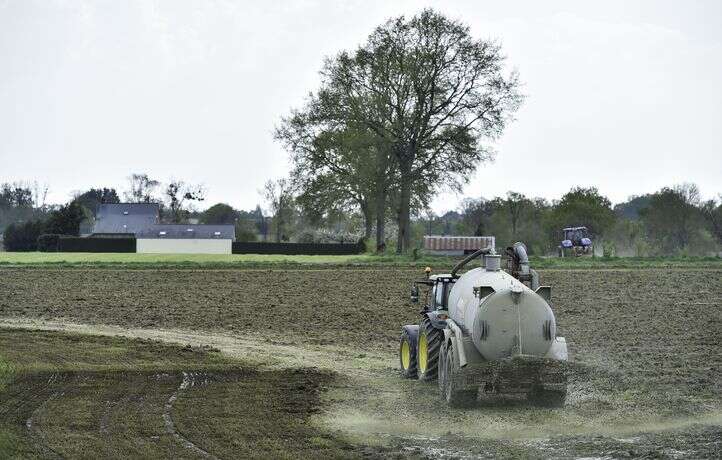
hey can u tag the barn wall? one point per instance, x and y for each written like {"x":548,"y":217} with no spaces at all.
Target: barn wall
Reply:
{"x":183,"y":246}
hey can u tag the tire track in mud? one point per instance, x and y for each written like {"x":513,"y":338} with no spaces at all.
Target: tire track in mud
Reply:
{"x":186,"y":382}
{"x":33,"y":401}
{"x":36,"y":433}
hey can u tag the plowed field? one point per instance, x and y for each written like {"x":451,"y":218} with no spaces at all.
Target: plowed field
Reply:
{"x":645,"y":344}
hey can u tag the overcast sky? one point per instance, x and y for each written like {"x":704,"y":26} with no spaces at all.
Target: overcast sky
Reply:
{"x":622,"y":95}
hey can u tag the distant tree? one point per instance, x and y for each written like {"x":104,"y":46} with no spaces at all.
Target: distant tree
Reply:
{"x":66,"y":220}
{"x":712,"y":212}
{"x":40,"y":196}
{"x":261,"y":221}
{"x":673,"y":218}
{"x":630,"y":209}
{"x":142,"y":189}
{"x":94,"y":197}
{"x":278,"y":194}
{"x":246,"y":231}
{"x":219,"y":213}
{"x":476,"y":215}
{"x":179,"y":196}
{"x":15,"y":196}
{"x":23,"y":236}
{"x":21,"y":203}
{"x":516,"y":204}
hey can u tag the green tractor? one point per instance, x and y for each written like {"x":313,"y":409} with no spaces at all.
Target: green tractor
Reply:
{"x":486,"y":333}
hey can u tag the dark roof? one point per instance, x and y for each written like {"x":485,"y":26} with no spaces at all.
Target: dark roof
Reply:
{"x":125,"y":217}
{"x":200,"y":231}
{"x":141,"y":219}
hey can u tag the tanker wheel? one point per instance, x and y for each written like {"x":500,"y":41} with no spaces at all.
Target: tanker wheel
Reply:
{"x":407,"y":352}
{"x":450,"y":384}
{"x":427,"y":350}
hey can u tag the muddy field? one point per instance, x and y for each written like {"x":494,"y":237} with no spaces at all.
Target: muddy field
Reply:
{"x":78,"y":396}
{"x":645,"y":345}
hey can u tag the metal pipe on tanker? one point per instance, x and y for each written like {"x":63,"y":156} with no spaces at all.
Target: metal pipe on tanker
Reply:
{"x":469,"y":258}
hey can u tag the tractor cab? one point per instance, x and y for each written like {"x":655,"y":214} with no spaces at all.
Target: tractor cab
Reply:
{"x":437,"y":294}
{"x":576,"y":235}
{"x":577,"y":240}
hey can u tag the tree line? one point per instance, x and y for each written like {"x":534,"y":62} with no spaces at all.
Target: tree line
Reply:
{"x":24,"y":215}
{"x":671,"y":221}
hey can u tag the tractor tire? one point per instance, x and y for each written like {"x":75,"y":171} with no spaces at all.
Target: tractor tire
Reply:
{"x":450,"y":385}
{"x":427,"y":350}
{"x":407,"y":351}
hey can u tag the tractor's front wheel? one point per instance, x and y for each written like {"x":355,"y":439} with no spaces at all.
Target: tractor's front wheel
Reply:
{"x":407,"y":351}
{"x":427,"y":350}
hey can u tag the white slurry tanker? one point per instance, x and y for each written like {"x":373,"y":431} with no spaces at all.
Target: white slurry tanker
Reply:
{"x":487,"y":333}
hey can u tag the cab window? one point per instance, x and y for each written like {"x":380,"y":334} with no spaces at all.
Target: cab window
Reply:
{"x":439,"y":295}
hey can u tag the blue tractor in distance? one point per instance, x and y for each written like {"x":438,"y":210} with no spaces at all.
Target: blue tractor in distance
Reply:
{"x":576,"y":242}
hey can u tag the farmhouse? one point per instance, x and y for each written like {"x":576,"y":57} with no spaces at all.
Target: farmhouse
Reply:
{"x":142,"y":220}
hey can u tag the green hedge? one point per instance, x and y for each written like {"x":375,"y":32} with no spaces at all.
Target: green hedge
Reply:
{"x":79,"y":244}
{"x":242,"y":247}
{"x":48,"y":242}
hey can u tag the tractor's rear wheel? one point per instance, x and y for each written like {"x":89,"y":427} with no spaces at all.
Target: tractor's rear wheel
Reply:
{"x":450,"y":385}
{"x":427,"y":350}
{"x":407,"y":351}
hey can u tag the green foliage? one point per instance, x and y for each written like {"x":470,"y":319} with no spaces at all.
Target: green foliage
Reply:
{"x":94,"y":197}
{"x":48,"y":242}
{"x":628,"y":237}
{"x":219,"y":213}
{"x":412,"y":108}
{"x":15,"y":196}
{"x":65,"y":220}
{"x":279,"y":196}
{"x":712,"y":213}
{"x":631,"y":208}
{"x":246,"y":231}
{"x":17,"y":204}
{"x":23,"y":236}
{"x":673,"y":220}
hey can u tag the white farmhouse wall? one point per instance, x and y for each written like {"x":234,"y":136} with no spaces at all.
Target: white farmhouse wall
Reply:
{"x":183,"y":246}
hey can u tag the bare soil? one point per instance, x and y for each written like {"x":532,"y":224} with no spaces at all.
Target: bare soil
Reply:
{"x":72,"y":399}
{"x":645,"y":379}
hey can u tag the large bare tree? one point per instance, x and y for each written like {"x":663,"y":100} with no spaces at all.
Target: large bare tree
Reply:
{"x":179,"y":197}
{"x":279,"y":196}
{"x":142,"y":189}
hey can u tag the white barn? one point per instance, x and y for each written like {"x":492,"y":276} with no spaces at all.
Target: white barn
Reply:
{"x":142,"y":221}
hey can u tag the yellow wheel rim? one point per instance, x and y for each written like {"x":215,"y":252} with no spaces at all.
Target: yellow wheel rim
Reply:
{"x":405,"y":354}
{"x":423,"y":352}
